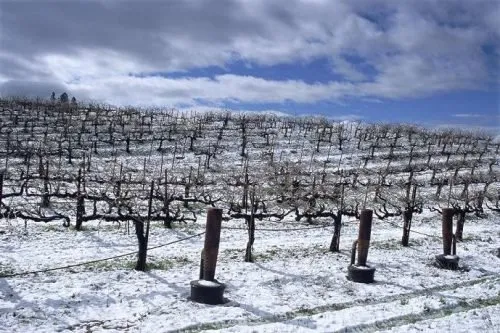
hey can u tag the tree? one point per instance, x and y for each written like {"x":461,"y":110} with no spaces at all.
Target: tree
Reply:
{"x":64,"y":98}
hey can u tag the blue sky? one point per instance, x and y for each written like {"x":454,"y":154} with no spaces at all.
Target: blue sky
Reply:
{"x":475,"y":107}
{"x":434,"y":63}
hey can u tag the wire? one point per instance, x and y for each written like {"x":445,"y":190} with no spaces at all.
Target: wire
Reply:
{"x":279,"y":229}
{"x":290,"y":229}
{"x":414,"y":231}
{"x":97,"y":260}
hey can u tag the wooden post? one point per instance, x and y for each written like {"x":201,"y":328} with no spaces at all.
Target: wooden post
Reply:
{"x":150,"y":209}
{"x":365,"y":229}
{"x":80,"y":203}
{"x":449,"y":259}
{"x":1,"y":189}
{"x":45,"y":196}
{"x":447,"y":229}
{"x":212,"y":239}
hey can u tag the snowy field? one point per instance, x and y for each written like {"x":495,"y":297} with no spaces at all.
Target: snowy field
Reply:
{"x":299,"y":171}
{"x":295,"y":284}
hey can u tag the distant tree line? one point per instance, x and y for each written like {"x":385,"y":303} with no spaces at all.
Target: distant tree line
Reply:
{"x":63,"y":98}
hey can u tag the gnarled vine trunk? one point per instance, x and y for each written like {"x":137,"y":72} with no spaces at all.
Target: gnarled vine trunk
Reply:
{"x":460,"y":225}
{"x":407,"y":217}
{"x":335,"y":244}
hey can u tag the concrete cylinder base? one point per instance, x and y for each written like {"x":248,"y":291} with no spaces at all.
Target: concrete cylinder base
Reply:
{"x":447,"y":261}
{"x":207,"y":292}
{"x":361,"y":274}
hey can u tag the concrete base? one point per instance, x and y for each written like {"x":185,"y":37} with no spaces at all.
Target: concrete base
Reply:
{"x":207,"y":292}
{"x":361,"y":274}
{"x":447,"y":261}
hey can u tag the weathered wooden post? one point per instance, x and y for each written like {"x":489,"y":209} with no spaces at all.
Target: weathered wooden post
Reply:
{"x":1,"y":191}
{"x":361,"y":272}
{"x":1,"y":187}
{"x":449,"y":258}
{"x":80,"y":203}
{"x":208,"y":290}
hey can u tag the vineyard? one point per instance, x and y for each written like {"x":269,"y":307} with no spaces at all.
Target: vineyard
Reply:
{"x":82,"y":182}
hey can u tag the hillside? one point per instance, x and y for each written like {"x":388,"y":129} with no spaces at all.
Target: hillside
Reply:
{"x":76,"y":179}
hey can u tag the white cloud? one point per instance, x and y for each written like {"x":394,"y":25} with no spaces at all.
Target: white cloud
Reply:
{"x":348,"y":70}
{"x":413,"y":48}
{"x":347,"y":117}
{"x":167,"y":91}
{"x":493,"y":130}
{"x":467,"y":115}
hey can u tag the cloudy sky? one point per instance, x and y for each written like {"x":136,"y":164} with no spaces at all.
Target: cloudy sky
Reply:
{"x":431,"y":62}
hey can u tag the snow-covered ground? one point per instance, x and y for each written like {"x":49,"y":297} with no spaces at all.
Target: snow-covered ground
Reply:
{"x":295,"y":285}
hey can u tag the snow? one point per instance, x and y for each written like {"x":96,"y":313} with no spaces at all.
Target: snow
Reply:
{"x":206,"y":283}
{"x":477,"y":320}
{"x":359,"y":317}
{"x":295,"y":285}
{"x":363,"y":267}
